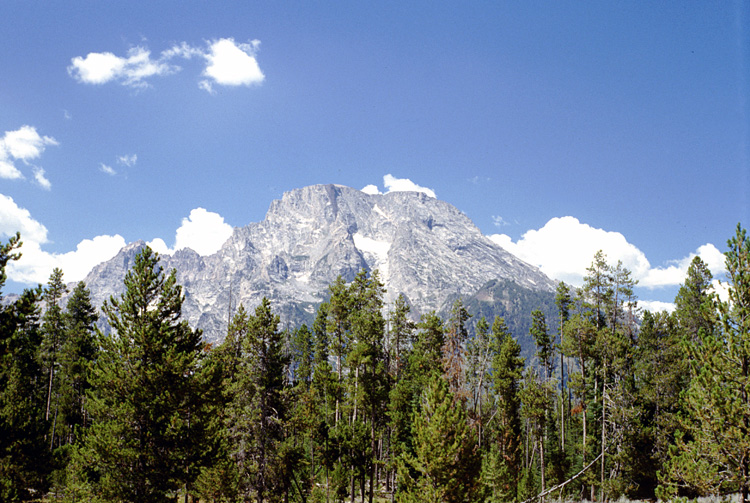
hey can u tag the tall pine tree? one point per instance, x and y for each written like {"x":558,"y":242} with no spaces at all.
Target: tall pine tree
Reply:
{"x":145,"y":401}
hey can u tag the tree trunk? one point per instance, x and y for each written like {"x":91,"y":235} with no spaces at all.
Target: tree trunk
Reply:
{"x":541,"y":459}
{"x":604,"y":406}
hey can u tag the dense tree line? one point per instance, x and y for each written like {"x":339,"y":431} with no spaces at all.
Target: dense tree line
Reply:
{"x":367,"y":404}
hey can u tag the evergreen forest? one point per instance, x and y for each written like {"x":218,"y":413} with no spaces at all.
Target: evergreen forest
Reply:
{"x":368,"y":405}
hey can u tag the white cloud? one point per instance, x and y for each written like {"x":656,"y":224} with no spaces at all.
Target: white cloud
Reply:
{"x":231,"y":64}
{"x":675,"y":273}
{"x":127,"y":160}
{"x":123,"y":160}
{"x":722,"y":289}
{"x":16,"y":219}
{"x":133,"y":70}
{"x":8,"y":170}
{"x":35,"y":264}
{"x":160,"y":247}
{"x":96,"y":67}
{"x":228,"y":63}
{"x":393,"y":184}
{"x":565,"y":247}
{"x":41,"y":179}
{"x":24,"y":144}
{"x":104,"y":168}
{"x":656,"y":306}
{"x":89,"y":253}
{"x":371,"y":189}
{"x":203,"y":231}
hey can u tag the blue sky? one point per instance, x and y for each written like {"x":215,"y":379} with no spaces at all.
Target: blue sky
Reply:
{"x":558,"y":127}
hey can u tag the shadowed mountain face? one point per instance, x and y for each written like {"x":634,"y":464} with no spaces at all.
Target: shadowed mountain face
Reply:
{"x":423,"y":248}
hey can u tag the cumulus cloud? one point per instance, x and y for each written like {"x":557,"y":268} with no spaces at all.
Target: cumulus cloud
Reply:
{"x":231,"y":64}
{"x":371,"y":189}
{"x":393,"y":184}
{"x":565,"y":247}
{"x":88,"y":253}
{"x":35,"y":264}
{"x":24,"y":144}
{"x":227,"y":63}
{"x":203,"y":231}
{"x":8,"y":170}
{"x":674,"y":274}
{"x":16,"y":219}
{"x":102,"y":67}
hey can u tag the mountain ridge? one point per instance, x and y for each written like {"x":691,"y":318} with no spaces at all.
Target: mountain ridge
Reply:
{"x":423,"y":248}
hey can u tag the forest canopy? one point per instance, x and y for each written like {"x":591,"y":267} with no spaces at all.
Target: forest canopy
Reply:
{"x":365,"y":403}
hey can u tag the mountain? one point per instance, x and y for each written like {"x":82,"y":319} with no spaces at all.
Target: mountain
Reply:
{"x":422,"y":247}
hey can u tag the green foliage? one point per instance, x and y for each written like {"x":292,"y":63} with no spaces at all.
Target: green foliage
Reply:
{"x":505,"y":433}
{"x":366,"y":403}
{"x":146,"y":402}
{"x":446,"y":464}
{"x":454,"y":348}
{"x":24,"y":451}
{"x":712,"y":451}
{"x":514,"y":303}
{"x":544,"y":343}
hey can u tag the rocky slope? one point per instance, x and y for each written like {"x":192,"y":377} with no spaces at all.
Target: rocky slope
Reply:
{"x":422,"y":247}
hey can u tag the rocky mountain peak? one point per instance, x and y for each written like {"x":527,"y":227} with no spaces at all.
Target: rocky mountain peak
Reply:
{"x":422,"y":247}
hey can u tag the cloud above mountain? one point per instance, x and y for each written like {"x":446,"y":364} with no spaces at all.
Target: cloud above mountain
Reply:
{"x":35,"y":264}
{"x":564,"y":247}
{"x":227,"y":63}
{"x":393,"y":184}
{"x":203,"y":231}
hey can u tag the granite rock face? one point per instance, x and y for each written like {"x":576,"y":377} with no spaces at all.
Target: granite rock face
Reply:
{"x":422,"y":247}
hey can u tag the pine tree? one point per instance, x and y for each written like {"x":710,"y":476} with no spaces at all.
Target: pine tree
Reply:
{"x":446,"y":462}
{"x":24,"y":450}
{"x":662,"y":373}
{"x":694,"y":307}
{"x":145,"y":401}
{"x":257,"y":408}
{"x":72,"y":381}
{"x":503,"y":463}
{"x":454,"y":349}
{"x":713,"y":453}
{"x":563,"y":301}
{"x":401,"y":334}
{"x":53,"y":330}
{"x":368,"y":359}
{"x":544,"y":343}
{"x":302,"y":355}
{"x":77,"y":356}
{"x":270,"y":409}
{"x":422,"y":365}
